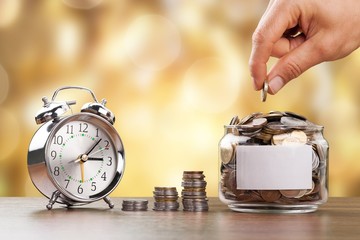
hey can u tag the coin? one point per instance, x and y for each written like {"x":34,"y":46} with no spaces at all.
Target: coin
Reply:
{"x":295,"y":122}
{"x":135,"y":205}
{"x":193,"y":176}
{"x":273,"y":128}
{"x":259,"y":122}
{"x":293,"y":193}
{"x":226,"y":148}
{"x":295,"y":138}
{"x":299,"y":135}
{"x":198,"y":184}
{"x":291,"y":114}
{"x":315,"y":160}
{"x":234,"y":120}
{"x":264,"y":91}
{"x":279,"y":138}
{"x":270,"y":195}
{"x":193,"y":195}
{"x":165,"y":199}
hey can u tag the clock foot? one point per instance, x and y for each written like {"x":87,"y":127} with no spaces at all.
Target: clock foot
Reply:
{"x":108,"y":201}
{"x":52,"y":200}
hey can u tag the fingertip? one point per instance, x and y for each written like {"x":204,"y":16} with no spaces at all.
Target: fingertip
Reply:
{"x":255,"y":85}
{"x":275,"y":84}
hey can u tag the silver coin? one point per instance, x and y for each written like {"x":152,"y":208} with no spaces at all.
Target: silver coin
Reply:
{"x":291,"y":114}
{"x":196,"y":209}
{"x":315,"y":160}
{"x":190,"y":193}
{"x":264,"y":91}
{"x":196,"y":184}
{"x":249,"y":118}
{"x":234,"y":120}
{"x":259,"y":122}
{"x":293,"y":122}
{"x":203,"y":200}
{"x":195,"y":205}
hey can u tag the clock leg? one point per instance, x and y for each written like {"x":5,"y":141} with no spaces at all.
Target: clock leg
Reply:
{"x":52,"y":200}
{"x":108,"y":201}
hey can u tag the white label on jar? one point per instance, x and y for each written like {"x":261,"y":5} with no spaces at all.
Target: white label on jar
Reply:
{"x":274,"y":167}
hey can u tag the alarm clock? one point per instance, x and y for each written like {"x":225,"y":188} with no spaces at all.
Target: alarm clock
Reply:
{"x":75,"y":159}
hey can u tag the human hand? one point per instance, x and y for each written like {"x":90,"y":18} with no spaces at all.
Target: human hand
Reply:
{"x":329,"y":31}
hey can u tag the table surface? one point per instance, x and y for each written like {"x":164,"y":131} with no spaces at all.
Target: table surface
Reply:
{"x":27,"y":218}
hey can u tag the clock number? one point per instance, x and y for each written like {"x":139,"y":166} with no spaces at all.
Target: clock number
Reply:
{"x":56,"y":171}
{"x":53,"y":154}
{"x":97,"y":132}
{"x":107,"y":143}
{"x":80,"y":190}
{"x":83,"y":127}
{"x":67,"y":182}
{"x":69,"y":129}
{"x":93,"y":186}
{"x":104,"y":176}
{"x":110,"y":161}
{"x":58,"y":140}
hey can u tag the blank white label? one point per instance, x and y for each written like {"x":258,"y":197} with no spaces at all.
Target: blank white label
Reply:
{"x":274,"y":167}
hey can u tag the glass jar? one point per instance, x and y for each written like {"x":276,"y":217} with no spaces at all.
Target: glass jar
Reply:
{"x":275,"y":162}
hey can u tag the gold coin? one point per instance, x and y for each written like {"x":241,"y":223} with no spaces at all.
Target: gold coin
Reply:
{"x":226,"y":148}
{"x":299,"y":135}
{"x":279,"y":138}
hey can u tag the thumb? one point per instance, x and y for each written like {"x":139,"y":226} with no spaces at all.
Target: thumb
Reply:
{"x":294,"y":63}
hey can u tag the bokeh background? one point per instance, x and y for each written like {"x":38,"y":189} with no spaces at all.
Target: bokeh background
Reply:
{"x":174,"y":72}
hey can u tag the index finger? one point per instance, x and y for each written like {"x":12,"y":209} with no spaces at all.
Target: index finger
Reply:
{"x":270,"y":29}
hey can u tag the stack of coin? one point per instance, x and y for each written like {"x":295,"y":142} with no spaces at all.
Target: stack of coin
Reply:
{"x":194,"y":192}
{"x":166,"y":199}
{"x":135,"y":205}
{"x":273,"y":128}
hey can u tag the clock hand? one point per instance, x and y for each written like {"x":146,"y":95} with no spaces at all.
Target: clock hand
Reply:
{"x":75,"y":160}
{"x":95,"y":159}
{"x":102,"y":149}
{"x":82,"y":170}
{"x":93,"y":146}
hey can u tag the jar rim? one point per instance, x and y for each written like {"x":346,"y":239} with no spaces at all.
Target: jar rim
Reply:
{"x":313,"y":127}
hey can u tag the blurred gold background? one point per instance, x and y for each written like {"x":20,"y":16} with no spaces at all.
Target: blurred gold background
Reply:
{"x":173,"y":72}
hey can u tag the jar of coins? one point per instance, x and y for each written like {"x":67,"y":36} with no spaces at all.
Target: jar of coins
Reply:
{"x":275,"y":162}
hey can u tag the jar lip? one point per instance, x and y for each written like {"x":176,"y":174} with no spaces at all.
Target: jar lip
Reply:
{"x":314,"y":127}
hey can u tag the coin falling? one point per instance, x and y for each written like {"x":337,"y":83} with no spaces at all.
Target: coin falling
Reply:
{"x":264,"y":91}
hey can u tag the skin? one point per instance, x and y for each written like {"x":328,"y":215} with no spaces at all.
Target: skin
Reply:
{"x":329,"y":31}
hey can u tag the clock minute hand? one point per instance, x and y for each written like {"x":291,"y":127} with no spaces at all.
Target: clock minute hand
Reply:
{"x":92,"y":148}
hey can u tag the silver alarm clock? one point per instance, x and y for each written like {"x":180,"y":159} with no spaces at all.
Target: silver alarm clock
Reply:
{"x":78,"y":158}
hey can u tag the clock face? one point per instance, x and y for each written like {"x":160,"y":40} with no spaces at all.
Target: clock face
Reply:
{"x":83,"y":159}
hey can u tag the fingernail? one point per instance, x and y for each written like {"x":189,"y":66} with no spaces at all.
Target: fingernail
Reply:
{"x":276,"y":84}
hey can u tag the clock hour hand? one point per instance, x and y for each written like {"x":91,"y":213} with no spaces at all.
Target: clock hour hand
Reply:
{"x":95,"y":159}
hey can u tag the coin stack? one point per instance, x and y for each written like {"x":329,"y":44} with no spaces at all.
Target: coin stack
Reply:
{"x":135,"y":205}
{"x":193,"y":194}
{"x":273,"y":128}
{"x":166,"y":199}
